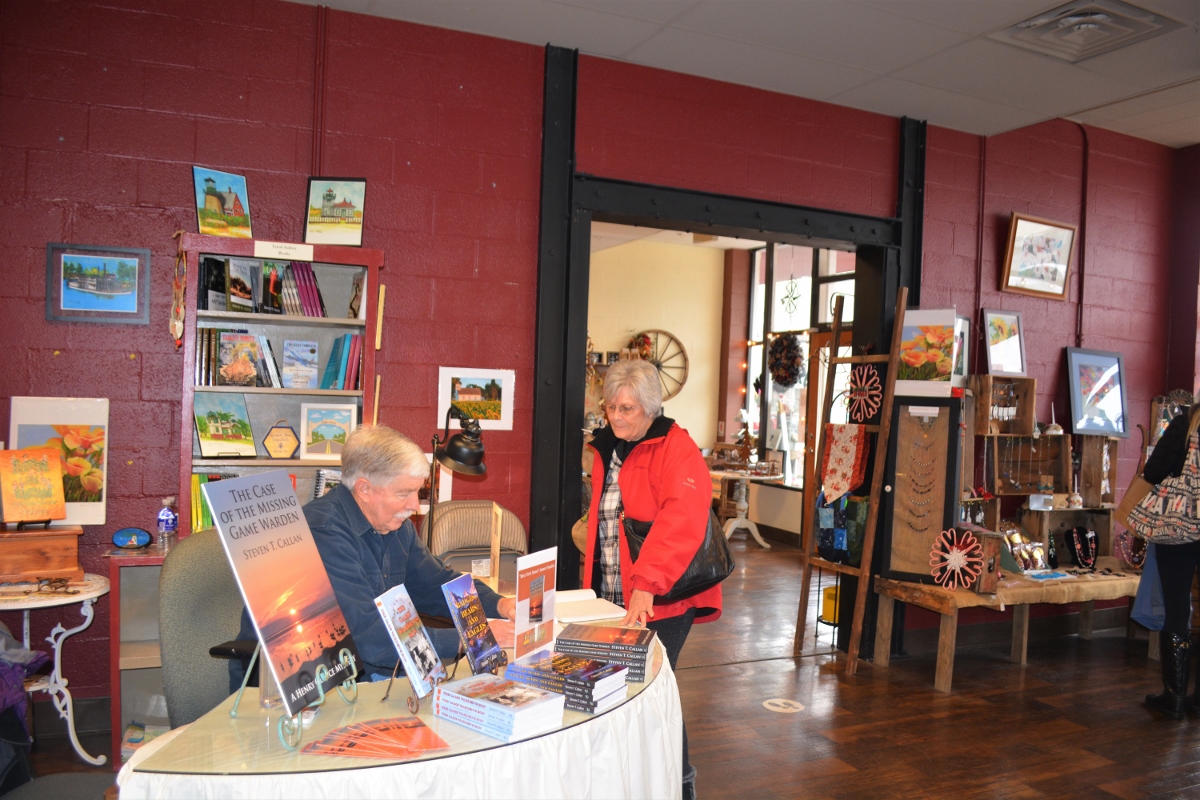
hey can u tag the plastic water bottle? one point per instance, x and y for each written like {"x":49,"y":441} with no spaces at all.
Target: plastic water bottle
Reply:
{"x":168,"y":524}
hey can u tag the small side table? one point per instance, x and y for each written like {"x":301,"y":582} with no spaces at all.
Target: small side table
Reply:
{"x":740,"y":493}
{"x":14,"y":598}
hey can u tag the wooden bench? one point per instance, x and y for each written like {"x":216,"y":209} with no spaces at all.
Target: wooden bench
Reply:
{"x":1016,"y":591}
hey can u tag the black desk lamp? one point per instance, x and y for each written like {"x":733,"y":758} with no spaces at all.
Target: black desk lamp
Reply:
{"x":462,"y":452}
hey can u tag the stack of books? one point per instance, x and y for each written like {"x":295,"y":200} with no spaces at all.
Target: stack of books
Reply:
{"x":497,"y":707}
{"x":136,"y":735}
{"x":588,"y":685}
{"x":633,"y":647}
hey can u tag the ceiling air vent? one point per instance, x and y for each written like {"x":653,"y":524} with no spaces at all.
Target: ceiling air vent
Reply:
{"x":1078,"y":31}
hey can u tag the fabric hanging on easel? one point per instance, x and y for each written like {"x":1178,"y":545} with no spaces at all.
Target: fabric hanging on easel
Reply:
{"x":845,"y":459}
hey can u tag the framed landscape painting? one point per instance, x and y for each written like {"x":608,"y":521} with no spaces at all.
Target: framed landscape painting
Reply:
{"x":324,"y":428}
{"x":223,"y":426}
{"x":482,"y":394}
{"x":334,"y":213}
{"x":77,"y":428}
{"x":93,"y":283}
{"x":1037,"y":260}
{"x":222,"y":203}
{"x":1099,"y":404}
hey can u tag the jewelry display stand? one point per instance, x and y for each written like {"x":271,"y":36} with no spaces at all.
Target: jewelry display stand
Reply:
{"x":880,"y":435}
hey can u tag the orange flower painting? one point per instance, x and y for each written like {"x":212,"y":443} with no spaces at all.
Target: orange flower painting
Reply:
{"x":927,"y":352}
{"x":80,"y":449}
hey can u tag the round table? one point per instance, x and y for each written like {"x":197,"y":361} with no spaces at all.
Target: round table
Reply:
{"x":740,"y":495}
{"x":25,"y":597}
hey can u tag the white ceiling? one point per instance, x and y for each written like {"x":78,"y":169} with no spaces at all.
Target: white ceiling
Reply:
{"x":926,"y":59}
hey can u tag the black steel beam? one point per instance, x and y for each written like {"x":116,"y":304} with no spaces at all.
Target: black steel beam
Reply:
{"x":910,"y":204}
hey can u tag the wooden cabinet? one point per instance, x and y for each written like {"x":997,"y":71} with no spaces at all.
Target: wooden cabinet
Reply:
{"x":335,"y":269}
{"x":135,"y":664}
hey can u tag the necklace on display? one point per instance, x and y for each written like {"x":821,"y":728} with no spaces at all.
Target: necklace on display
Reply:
{"x":1089,"y":561}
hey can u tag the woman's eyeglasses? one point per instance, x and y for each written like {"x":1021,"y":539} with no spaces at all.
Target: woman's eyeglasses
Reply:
{"x":624,"y":411}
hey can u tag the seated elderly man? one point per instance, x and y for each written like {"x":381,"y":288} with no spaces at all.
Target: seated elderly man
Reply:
{"x":363,"y":532}
{"x":368,"y":545}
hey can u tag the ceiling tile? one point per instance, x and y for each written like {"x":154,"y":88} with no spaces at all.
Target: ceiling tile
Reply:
{"x":1161,"y":61}
{"x":973,"y":17}
{"x":660,"y":11}
{"x":844,"y":32}
{"x":766,"y":68}
{"x":937,"y":106}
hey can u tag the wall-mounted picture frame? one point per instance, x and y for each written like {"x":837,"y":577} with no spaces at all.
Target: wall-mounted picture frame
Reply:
{"x":334,"y":211}
{"x":962,"y":351}
{"x":483,"y":394}
{"x":324,"y":428}
{"x":1099,"y":402}
{"x":78,"y":429}
{"x":1037,"y":260}
{"x":1004,"y":342}
{"x":223,"y":425}
{"x":222,"y":203}
{"x":96,"y":283}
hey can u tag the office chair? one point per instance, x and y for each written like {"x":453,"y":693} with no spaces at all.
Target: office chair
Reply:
{"x":462,"y":531}
{"x":199,"y":606}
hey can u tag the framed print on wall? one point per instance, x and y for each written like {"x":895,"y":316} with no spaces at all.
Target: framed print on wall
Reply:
{"x":1004,"y":340}
{"x":324,"y":428}
{"x":94,"y":283}
{"x":1099,"y":404}
{"x":484,"y":394}
{"x":962,"y":351}
{"x":222,"y":203}
{"x":78,"y":429}
{"x":334,"y":212}
{"x":1037,"y":260}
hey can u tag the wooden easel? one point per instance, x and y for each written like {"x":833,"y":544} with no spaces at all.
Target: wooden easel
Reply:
{"x":881,"y":433}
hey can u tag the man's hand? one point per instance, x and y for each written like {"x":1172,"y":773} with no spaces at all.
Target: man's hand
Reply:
{"x":507,"y":607}
{"x":505,"y":632}
{"x":640,"y":609}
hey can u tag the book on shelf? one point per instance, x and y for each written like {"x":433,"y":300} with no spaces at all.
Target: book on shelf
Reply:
{"x":329,"y":377}
{"x":210,"y":293}
{"x":272,"y":288}
{"x":355,"y":357}
{"x":238,"y":360}
{"x":583,"y":678}
{"x":31,"y":485}
{"x":497,"y":707}
{"x":483,"y":652}
{"x":308,"y":295}
{"x":241,"y":276}
{"x":357,"y":309}
{"x":299,"y":364}
{"x":267,"y":355}
{"x":343,"y":361}
{"x":326,"y":481}
{"x":201,"y":513}
{"x":417,"y":654}
{"x":271,"y":550}
{"x":288,"y":293}
{"x":136,"y":735}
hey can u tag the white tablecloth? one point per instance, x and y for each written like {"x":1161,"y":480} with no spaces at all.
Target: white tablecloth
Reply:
{"x":632,"y":751}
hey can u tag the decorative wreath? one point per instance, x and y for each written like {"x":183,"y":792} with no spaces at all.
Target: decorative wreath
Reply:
{"x":956,"y":559}
{"x":864,"y":394}
{"x":785,"y":359}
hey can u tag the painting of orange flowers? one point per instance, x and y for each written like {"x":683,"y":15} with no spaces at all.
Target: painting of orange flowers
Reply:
{"x":927,"y":347}
{"x":76,"y":429}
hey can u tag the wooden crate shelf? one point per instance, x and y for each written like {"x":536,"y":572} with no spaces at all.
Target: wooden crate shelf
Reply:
{"x":1097,"y":485}
{"x":1022,"y":465}
{"x":1003,"y":405}
{"x":1041,"y":525}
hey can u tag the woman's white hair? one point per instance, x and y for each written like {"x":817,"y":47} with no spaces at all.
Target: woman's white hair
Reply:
{"x":381,"y":454}
{"x":641,"y":379}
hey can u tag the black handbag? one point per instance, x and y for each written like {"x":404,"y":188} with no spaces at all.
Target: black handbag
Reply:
{"x":712,"y":563}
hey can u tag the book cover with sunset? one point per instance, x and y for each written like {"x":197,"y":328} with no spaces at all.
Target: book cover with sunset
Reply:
{"x":483,"y":652}
{"x":283,"y":583}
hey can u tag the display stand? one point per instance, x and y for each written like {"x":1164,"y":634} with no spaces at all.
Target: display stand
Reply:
{"x":289,"y":728}
{"x":881,"y":433}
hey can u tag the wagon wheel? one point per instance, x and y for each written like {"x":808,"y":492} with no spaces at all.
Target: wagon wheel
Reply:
{"x":669,"y":357}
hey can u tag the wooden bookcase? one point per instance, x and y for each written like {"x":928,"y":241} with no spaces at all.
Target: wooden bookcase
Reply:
{"x":135,"y":662}
{"x":335,"y":268}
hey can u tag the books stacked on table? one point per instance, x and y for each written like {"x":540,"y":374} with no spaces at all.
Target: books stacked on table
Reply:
{"x":394,"y":738}
{"x":588,"y":685}
{"x":498,"y":707}
{"x":632,"y":647}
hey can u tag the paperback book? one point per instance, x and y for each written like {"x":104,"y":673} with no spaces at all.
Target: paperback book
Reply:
{"x":483,"y":652}
{"x":31,"y":485}
{"x":299,"y":364}
{"x":585,"y":678}
{"x":238,"y":360}
{"x":582,"y":605}
{"x":633,"y":647}
{"x":283,"y":583}
{"x":534,"y":626}
{"x":421,"y":662}
{"x":497,"y":707}
{"x":394,"y":738}
{"x":242,"y":276}
{"x":272,"y":288}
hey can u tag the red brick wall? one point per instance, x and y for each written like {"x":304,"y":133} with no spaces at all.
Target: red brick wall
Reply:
{"x":104,"y":109}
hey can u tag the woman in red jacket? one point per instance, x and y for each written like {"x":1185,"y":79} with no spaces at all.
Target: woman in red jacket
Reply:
{"x":649,"y":467}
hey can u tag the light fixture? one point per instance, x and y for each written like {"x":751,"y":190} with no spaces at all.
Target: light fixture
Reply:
{"x":462,"y":453}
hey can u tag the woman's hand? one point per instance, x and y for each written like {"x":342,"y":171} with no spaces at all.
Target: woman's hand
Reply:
{"x":640,"y":609}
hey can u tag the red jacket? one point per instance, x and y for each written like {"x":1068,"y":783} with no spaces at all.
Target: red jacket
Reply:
{"x":664,"y":480}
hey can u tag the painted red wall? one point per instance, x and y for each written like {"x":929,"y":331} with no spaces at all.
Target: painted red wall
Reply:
{"x":105,"y":107}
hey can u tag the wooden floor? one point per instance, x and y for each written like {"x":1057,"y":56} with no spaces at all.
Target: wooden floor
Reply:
{"x":1069,"y":724}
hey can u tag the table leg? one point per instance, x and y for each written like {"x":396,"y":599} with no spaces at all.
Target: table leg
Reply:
{"x":1086,"y":619}
{"x":743,"y":507}
{"x":56,"y":685}
{"x":883,"y":630}
{"x":947,"y":639}
{"x":1020,"y":634}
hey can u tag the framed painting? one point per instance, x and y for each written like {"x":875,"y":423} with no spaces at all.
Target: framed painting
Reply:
{"x":1037,"y":260}
{"x":1004,"y":338}
{"x":94,"y":283}
{"x":222,"y":203}
{"x":482,"y":394}
{"x":324,"y":428}
{"x":962,"y":351}
{"x":77,"y":428}
{"x":223,"y":426}
{"x":1099,"y":403}
{"x":334,"y":212}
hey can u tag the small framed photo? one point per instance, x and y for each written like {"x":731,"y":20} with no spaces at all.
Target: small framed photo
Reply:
{"x":595,"y":357}
{"x":93,"y":283}
{"x":1037,"y":261}
{"x":1004,"y":337}
{"x":482,"y":394}
{"x":1099,"y":404}
{"x":77,"y":428}
{"x":222,"y":203}
{"x":334,"y":212}
{"x":962,"y":351}
{"x":613,"y":357}
{"x":324,"y":428}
